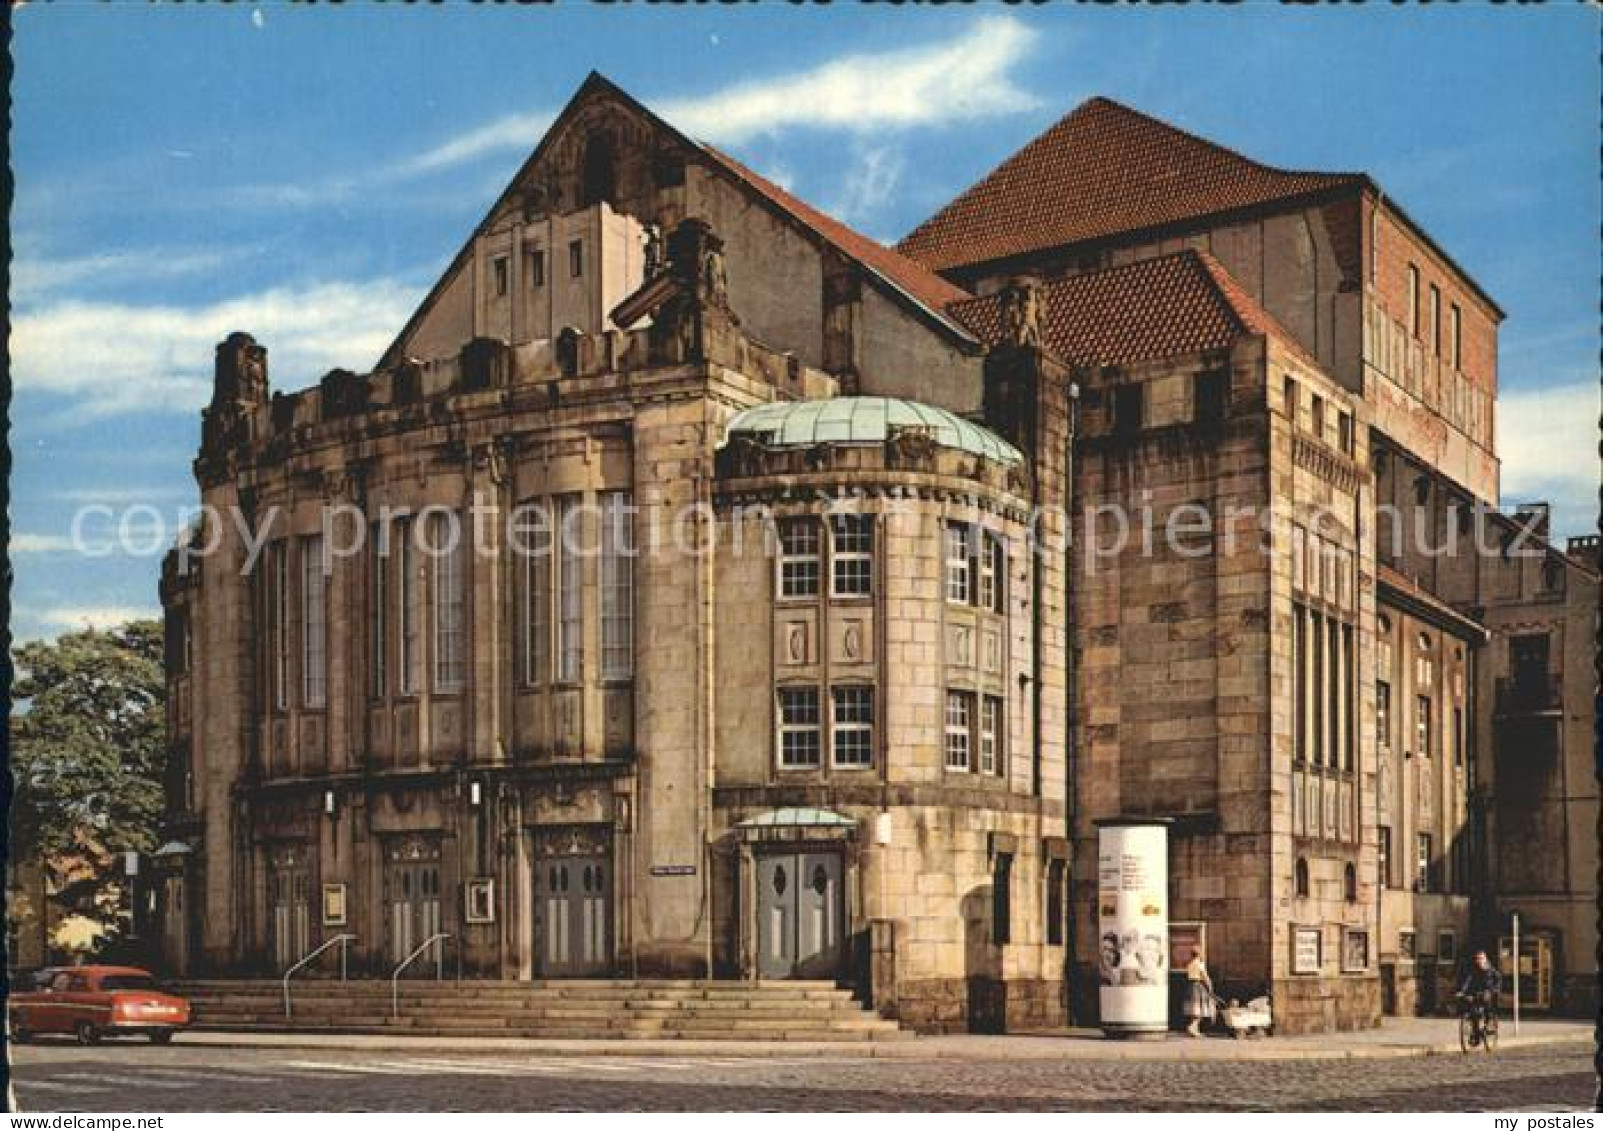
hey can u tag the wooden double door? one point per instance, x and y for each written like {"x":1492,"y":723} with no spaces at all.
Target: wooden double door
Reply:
{"x":289,"y":904}
{"x":411,"y":898}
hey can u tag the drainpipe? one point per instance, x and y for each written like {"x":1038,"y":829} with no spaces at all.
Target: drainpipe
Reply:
{"x":1071,"y":715}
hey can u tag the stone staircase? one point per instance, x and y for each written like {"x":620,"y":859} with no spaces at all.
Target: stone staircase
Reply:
{"x":555,"y":1010}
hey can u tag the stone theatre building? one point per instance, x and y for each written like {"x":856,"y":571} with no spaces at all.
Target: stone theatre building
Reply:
{"x":697,"y":588}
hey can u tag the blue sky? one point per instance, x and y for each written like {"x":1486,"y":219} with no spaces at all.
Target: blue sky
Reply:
{"x":305,"y":174}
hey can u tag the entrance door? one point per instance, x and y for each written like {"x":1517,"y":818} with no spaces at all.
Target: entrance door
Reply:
{"x":573,"y":904}
{"x":412,"y":904}
{"x":799,"y":915}
{"x":289,"y":898}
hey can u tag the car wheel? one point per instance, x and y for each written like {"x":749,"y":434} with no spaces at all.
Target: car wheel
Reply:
{"x":86,"y":1033}
{"x":161,"y":1036}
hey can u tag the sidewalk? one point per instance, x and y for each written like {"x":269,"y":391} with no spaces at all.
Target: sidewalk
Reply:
{"x":1399,"y":1037}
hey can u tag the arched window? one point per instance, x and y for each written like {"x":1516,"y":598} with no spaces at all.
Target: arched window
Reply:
{"x":599,"y":175}
{"x":1302,"y":878}
{"x":1349,"y":883}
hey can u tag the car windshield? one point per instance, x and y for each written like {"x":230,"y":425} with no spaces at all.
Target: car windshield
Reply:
{"x":127,"y":982}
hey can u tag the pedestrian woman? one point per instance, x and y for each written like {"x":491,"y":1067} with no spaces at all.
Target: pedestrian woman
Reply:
{"x":1199,"y":993}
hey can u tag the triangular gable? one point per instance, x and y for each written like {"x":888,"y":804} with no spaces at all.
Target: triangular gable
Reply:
{"x":904,"y":281}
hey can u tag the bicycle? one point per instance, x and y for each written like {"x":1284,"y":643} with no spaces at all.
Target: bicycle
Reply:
{"x":1477,"y":1023}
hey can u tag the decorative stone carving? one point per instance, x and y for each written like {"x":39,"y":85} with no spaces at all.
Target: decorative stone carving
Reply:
{"x":1021,"y":312}
{"x":910,"y":449}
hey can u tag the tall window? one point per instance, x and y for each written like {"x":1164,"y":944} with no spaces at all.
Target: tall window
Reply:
{"x":1056,"y":891}
{"x":1299,"y":673}
{"x":576,"y":258}
{"x":1385,"y":856}
{"x":499,"y":269}
{"x":1422,"y":864}
{"x":800,"y":552}
{"x":409,"y":593}
{"x":570,"y":591}
{"x":1383,"y":713}
{"x":1002,"y":899}
{"x":852,"y":557}
{"x":959,"y":729}
{"x":1413,"y":300}
{"x":378,"y":593}
{"x":1422,"y":726}
{"x":1458,"y":736}
{"x":1291,"y":399}
{"x":617,"y":586}
{"x":448,"y":544}
{"x":1455,"y":335}
{"x":959,"y":549}
{"x":1129,"y":409}
{"x":1317,"y":421}
{"x":278,"y":622}
{"x":854,"y":727}
{"x":991,"y":593}
{"x":1436,"y":319}
{"x":800,"y":743}
{"x":1209,"y":392}
{"x":534,"y":575}
{"x":990,"y":734}
{"x":314,"y":625}
{"x":536,"y":261}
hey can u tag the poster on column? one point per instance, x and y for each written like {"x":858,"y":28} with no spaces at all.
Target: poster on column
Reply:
{"x":1133,"y":926}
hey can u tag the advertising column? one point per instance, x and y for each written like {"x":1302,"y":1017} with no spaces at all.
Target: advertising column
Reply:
{"x":1133,"y":926}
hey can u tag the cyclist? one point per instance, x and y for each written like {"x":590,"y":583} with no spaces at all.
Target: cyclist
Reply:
{"x":1479,"y":992}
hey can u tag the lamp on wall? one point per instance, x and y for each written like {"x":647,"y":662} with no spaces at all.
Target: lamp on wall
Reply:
{"x":475,"y":793}
{"x":328,"y":802}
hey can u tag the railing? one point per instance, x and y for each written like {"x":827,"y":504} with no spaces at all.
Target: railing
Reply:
{"x":341,"y":941}
{"x":1529,"y":695}
{"x":439,"y":968}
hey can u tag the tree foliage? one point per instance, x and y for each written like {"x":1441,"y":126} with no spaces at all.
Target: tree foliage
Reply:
{"x":88,"y":758}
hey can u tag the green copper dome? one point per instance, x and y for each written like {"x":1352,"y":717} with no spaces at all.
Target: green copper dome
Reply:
{"x":865,"y":420}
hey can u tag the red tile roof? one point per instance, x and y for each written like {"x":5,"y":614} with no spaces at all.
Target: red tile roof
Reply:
{"x":915,"y":280}
{"x":1102,"y":171}
{"x":1171,"y":306}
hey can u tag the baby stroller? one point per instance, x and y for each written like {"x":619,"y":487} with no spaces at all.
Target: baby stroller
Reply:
{"x":1254,"y":1019}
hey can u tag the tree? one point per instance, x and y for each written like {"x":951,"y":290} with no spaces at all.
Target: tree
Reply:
{"x":88,"y":759}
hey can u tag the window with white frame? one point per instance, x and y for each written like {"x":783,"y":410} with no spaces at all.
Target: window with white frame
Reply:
{"x":990,"y":734}
{"x":853,"y":729}
{"x":800,"y":555}
{"x":959,"y":552}
{"x":959,"y":730}
{"x":534,"y":549}
{"x":278,"y":622}
{"x":314,"y":625}
{"x":448,"y":546}
{"x":377,"y":614}
{"x":800,"y":740}
{"x":617,"y":585}
{"x":992,"y":589}
{"x":852,"y":555}
{"x":1423,"y":870}
{"x":570,"y":591}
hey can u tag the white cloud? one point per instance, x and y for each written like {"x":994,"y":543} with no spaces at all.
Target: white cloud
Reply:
{"x":960,"y":79}
{"x":954,"y":80}
{"x":113,"y":357}
{"x":869,"y":185}
{"x":33,"y":276}
{"x":1548,"y":442}
{"x":34,"y":623}
{"x":515,"y":131}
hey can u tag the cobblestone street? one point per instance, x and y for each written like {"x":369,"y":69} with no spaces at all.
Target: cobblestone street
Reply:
{"x":134,"y":1077}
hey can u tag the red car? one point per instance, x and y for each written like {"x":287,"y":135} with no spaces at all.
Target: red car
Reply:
{"x":91,"y":1002}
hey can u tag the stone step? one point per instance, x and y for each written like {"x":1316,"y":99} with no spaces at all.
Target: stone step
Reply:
{"x":199,"y":985}
{"x":589,"y":1034}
